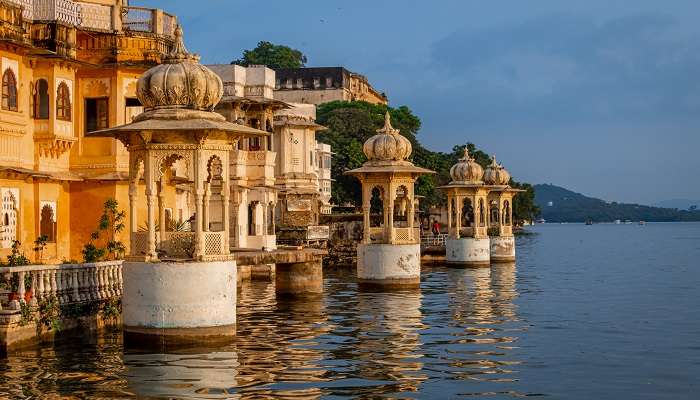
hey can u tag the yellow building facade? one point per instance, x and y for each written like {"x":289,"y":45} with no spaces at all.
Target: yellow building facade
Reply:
{"x":68,"y":68}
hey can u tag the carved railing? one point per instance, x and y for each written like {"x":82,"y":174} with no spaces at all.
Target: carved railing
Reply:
{"x":65,"y":11}
{"x":68,"y":283}
{"x":96,"y":16}
{"x":403,"y":236}
{"x":148,"y":20}
{"x":179,"y":244}
{"x":433,"y":240}
{"x":27,"y":8}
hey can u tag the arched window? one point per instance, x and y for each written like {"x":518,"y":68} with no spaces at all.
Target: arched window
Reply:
{"x":41,"y":99}
{"x":8,"y":231}
{"x":9,"y":90}
{"x":63,"y":106}
{"x":252,"y":222}
{"x":47,"y":223}
{"x":506,"y":213}
{"x":376,"y":207}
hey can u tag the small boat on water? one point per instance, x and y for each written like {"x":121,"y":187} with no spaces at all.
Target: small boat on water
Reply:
{"x":642,"y":223}
{"x":589,"y":222}
{"x":628,"y":222}
{"x":618,"y":222}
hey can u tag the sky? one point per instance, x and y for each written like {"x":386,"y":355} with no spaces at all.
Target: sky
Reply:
{"x":599,"y":96}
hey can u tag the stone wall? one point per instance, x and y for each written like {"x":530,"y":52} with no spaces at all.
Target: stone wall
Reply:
{"x":345,"y":235}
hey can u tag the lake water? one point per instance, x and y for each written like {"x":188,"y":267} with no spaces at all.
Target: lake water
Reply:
{"x":588,"y":312}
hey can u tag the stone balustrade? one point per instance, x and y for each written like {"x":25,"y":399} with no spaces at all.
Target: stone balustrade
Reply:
{"x":68,"y":283}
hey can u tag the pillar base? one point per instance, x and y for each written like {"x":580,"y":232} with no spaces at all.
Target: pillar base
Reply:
{"x":180,"y":300}
{"x":389,"y":266}
{"x":299,"y":279}
{"x":468,"y":252}
{"x":502,"y":248}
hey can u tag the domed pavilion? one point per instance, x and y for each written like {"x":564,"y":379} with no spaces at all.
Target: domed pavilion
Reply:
{"x":500,"y":212}
{"x":468,"y":240}
{"x":389,"y":255}
{"x":179,"y":282}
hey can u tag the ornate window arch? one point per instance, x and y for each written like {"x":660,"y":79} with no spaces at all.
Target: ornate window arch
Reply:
{"x":8,"y":229}
{"x":9,"y":90}
{"x":41,"y":99}
{"x":63,"y":103}
{"x":47,"y":224}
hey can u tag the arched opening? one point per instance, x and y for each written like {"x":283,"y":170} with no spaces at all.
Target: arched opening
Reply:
{"x":376,"y":207}
{"x":401,"y":207}
{"x":47,"y":224}
{"x":482,"y":215}
{"x":63,"y":103}
{"x":216,"y":198}
{"x":41,"y":99}
{"x":493,"y":211}
{"x":506,"y":213}
{"x":271,"y":218}
{"x":467,"y":218}
{"x":9,"y":90}
{"x":252,"y":218}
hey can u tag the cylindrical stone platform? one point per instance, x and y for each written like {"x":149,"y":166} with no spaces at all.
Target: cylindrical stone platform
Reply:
{"x":468,"y":252}
{"x":502,"y":249}
{"x":388,"y":265}
{"x":180,"y":300}
{"x":299,"y":279}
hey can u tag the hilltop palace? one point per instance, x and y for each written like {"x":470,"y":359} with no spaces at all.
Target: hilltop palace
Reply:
{"x":70,"y":68}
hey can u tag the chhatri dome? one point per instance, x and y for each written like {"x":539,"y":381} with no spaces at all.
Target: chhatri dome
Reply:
{"x":496,"y":174}
{"x":467,"y":170}
{"x":388,"y":144}
{"x":180,"y":82}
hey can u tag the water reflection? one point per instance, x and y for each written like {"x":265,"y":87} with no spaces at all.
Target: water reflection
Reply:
{"x":461,"y":326}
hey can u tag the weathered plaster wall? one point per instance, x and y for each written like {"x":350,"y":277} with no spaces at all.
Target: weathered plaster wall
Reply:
{"x":378,"y":262}
{"x":468,"y":251}
{"x":179,"y":295}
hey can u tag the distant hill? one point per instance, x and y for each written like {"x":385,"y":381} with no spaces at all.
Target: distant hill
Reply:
{"x":681,"y":204}
{"x":562,"y":205}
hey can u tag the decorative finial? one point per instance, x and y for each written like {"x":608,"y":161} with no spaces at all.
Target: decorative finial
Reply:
{"x":494,"y":163}
{"x":179,"y":52}
{"x":466,"y":156}
{"x":388,"y":129}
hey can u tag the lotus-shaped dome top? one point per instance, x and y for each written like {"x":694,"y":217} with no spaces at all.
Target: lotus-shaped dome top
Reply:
{"x":496,"y":174}
{"x":180,"y":82}
{"x":387,"y":144}
{"x":467,"y":170}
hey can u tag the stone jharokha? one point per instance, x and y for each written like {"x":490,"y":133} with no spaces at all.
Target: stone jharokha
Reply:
{"x":180,"y":283}
{"x":389,"y":255}
{"x":479,"y":201}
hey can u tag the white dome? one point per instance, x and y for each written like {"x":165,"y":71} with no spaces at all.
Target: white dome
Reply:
{"x":496,"y":174}
{"x":467,"y":170}
{"x":387,"y":144}
{"x":180,"y":82}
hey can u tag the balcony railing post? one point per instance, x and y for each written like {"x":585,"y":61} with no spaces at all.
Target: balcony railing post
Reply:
{"x":157,"y":20}
{"x":20,"y":287}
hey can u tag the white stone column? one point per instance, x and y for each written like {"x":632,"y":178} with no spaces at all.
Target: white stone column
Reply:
{"x":150,"y":204}
{"x":133,"y":216}
{"x":226,"y":214}
{"x":161,"y":208}
{"x":198,"y":195}
{"x":450,"y":230}
{"x":205,"y":206}
{"x":458,"y":226}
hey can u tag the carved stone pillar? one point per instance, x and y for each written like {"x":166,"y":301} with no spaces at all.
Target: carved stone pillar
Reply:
{"x":458,"y":225}
{"x":226,"y":198}
{"x":205,"y":210}
{"x":161,"y":208}
{"x":150,"y":204}
{"x":450,"y":210}
{"x":199,"y":231}
{"x":133,"y":217}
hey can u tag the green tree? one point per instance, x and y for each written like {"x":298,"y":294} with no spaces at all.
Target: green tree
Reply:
{"x":273,"y":56}
{"x":351,"y":123}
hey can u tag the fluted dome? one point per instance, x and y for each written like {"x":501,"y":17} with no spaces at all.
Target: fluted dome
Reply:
{"x":467,"y":170}
{"x":387,"y":144}
{"x":180,"y":82}
{"x":496,"y":174}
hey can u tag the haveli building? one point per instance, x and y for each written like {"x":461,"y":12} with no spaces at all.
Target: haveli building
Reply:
{"x":318,"y":85}
{"x":70,"y":67}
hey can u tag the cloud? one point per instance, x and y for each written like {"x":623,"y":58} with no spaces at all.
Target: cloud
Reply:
{"x":565,"y":69}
